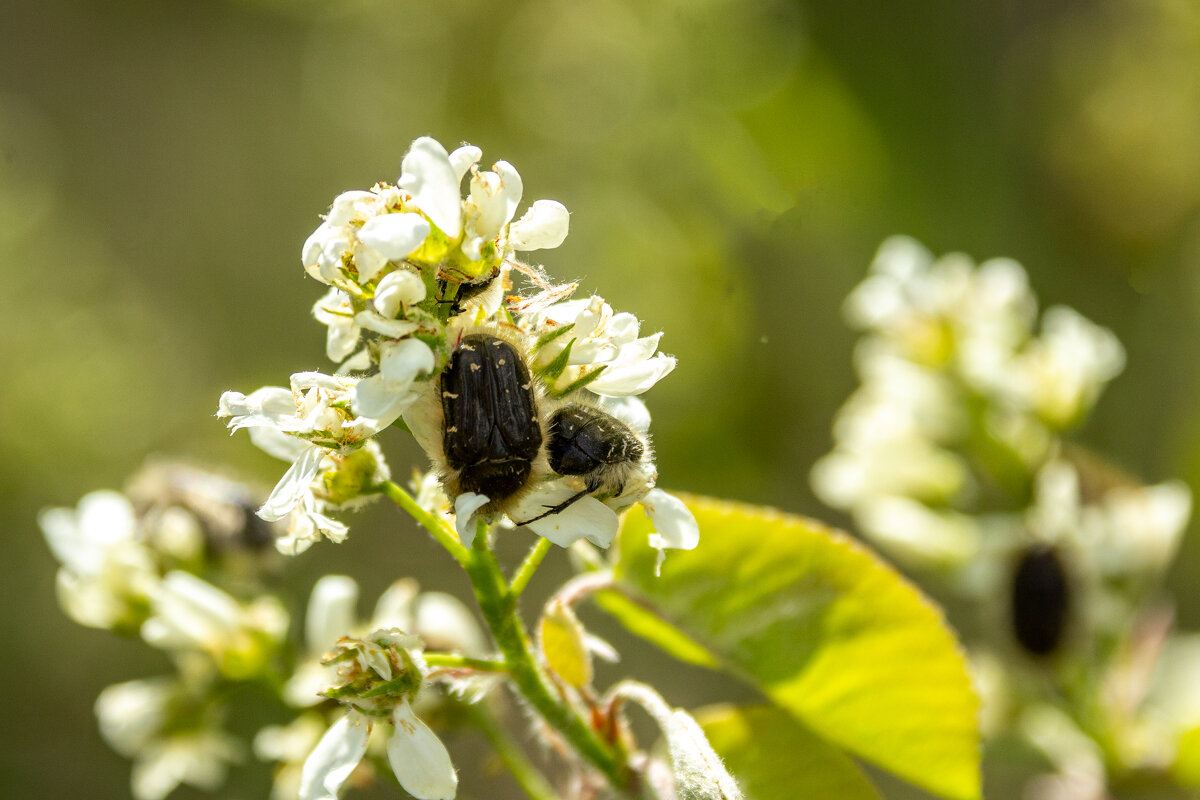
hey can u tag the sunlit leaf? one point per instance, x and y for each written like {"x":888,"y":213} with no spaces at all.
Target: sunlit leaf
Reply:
{"x":825,"y":629}
{"x":774,"y":757}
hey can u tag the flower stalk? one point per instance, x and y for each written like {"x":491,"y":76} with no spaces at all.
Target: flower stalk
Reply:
{"x":499,"y":607}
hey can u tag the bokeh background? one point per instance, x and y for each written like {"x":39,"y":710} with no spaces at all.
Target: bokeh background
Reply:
{"x":731,"y":166}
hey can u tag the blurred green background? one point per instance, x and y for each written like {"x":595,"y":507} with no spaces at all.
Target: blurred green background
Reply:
{"x":731,"y":166}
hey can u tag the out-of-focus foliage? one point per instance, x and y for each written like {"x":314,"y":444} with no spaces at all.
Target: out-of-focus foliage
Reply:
{"x":733,"y":166}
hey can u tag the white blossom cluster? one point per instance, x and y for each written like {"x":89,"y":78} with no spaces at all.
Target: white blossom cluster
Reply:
{"x":412,"y":268}
{"x":951,"y":455}
{"x":143,"y":562}
{"x":961,"y":401}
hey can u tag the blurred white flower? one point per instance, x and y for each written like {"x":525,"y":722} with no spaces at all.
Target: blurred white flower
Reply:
{"x":107,"y":573}
{"x":190,"y":614}
{"x":290,"y":746}
{"x":1062,"y":372}
{"x":136,"y":720}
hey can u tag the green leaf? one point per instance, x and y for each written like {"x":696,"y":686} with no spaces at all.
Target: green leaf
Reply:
{"x":823,"y":628}
{"x":774,"y":757}
{"x":650,"y":626}
{"x":1186,"y":768}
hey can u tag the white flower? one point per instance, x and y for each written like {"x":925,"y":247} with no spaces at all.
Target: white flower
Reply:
{"x":675,"y":527}
{"x":331,"y":614}
{"x":290,"y":745}
{"x":419,"y":759}
{"x":1062,"y":372}
{"x":190,"y":614}
{"x":132,"y":714}
{"x":335,"y":311}
{"x":107,"y":572}
{"x":135,"y":719}
{"x":585,"y":518}
{"x":199,"y":758}
{"x":945,"y":311}
{"x":887,"y":436}
{"x":490,"y":206}
{"x":302,"y":426}
{"x":433,"y":181}
{"x":606,"y":353}
{"x":335,"y":757}
{"x":366,"y":231}
{"x":439,"y":619}
{"x":382,"y":398}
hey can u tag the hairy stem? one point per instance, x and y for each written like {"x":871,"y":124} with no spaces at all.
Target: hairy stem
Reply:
{"x":499,"y":607}
{"x":529,"y":566}
{"x":436,"y":527}
{"x":454,"y":661}
{"x":514,"y":758}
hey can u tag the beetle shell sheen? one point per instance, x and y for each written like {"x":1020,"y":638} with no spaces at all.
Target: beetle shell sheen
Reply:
{"x":492,"y":432}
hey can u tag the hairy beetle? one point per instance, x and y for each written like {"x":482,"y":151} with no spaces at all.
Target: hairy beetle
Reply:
{"x":605,"y":453}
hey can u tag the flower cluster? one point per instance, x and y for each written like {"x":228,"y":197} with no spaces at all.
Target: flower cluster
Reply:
{"x":413,"y":268}
{"x":148,"y":562}
{"x":951,"y":455}
{"x":421,"y":299}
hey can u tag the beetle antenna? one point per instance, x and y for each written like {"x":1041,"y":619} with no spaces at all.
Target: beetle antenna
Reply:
{"x":557,"y":508}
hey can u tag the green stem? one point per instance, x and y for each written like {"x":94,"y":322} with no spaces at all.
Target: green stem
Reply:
{"x":529,"y":566}
{"x":499,"y":609}
{"x":436,"y":527}
{"x":527,"y":775}
{"x":454,"y":661}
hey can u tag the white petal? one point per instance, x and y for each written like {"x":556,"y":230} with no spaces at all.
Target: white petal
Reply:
{"x":674,"y":525}
{"x":347,"y":205}
{"x":334,"y":758}
{"x":314,"y":246}
{"x":635,"y":378}
{"x":331,"y":612}
{"x":463,"y":158}
{"x":542,"y":227}
{"x":444,"y":619}
{"x":427,"y":174}
{"x":630,"y":410}
{"x":303,"y":689}
{"x":391,"y":328}
{"x":394,"y":235}
{"x":419,"y":758}
{"x":586,"y":518}
{"x":465,"y":506}
{"x":269,"y":406}
{"x":401,"y":362}
{"x":368,"y":261}
{"x":277,"y":443}
{"x":398,"y":289}
{"x":295,"y":482}
{"x":376,"y":400}
{"x":394,"y":609}
{"x":493,"y":200}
